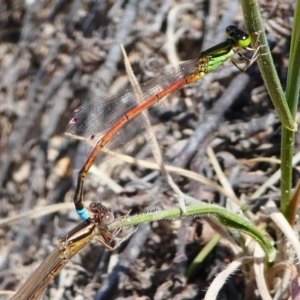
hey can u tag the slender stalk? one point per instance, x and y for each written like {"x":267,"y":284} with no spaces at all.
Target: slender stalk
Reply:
{"x":292,"y":95}
{"x":202,"y":255}
{"x":197,"y":208}
{"x":286,"y":109}
{"x":265,"y":62}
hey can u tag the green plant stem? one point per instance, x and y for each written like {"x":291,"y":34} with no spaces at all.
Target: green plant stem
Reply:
{"x":292,"y":96}
{"x":287,"y":151}
{"x":224,"y":216}
{"x":286,"y":109}
{"x":265,"y":62}
{"x":202,"y":255}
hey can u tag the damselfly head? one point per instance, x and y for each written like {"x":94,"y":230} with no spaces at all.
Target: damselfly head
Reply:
{"x":238,"y":37}
{"x":102,"y":214}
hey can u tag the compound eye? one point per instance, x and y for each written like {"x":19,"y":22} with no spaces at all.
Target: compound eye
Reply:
{"x":243,"y":39}
{"x":231,"y":31}
{"x":108,"y":218}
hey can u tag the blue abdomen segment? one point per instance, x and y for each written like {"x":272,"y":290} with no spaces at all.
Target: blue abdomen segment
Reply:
{"x":84,"y":214}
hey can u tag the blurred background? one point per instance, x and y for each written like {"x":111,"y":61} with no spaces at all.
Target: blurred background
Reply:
{"x":58,"y":55}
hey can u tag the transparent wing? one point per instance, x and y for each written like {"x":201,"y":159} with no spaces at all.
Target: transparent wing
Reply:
{"x":94,"y":119}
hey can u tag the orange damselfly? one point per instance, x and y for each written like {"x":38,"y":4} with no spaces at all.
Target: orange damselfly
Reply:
{"x":114,"y":121}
